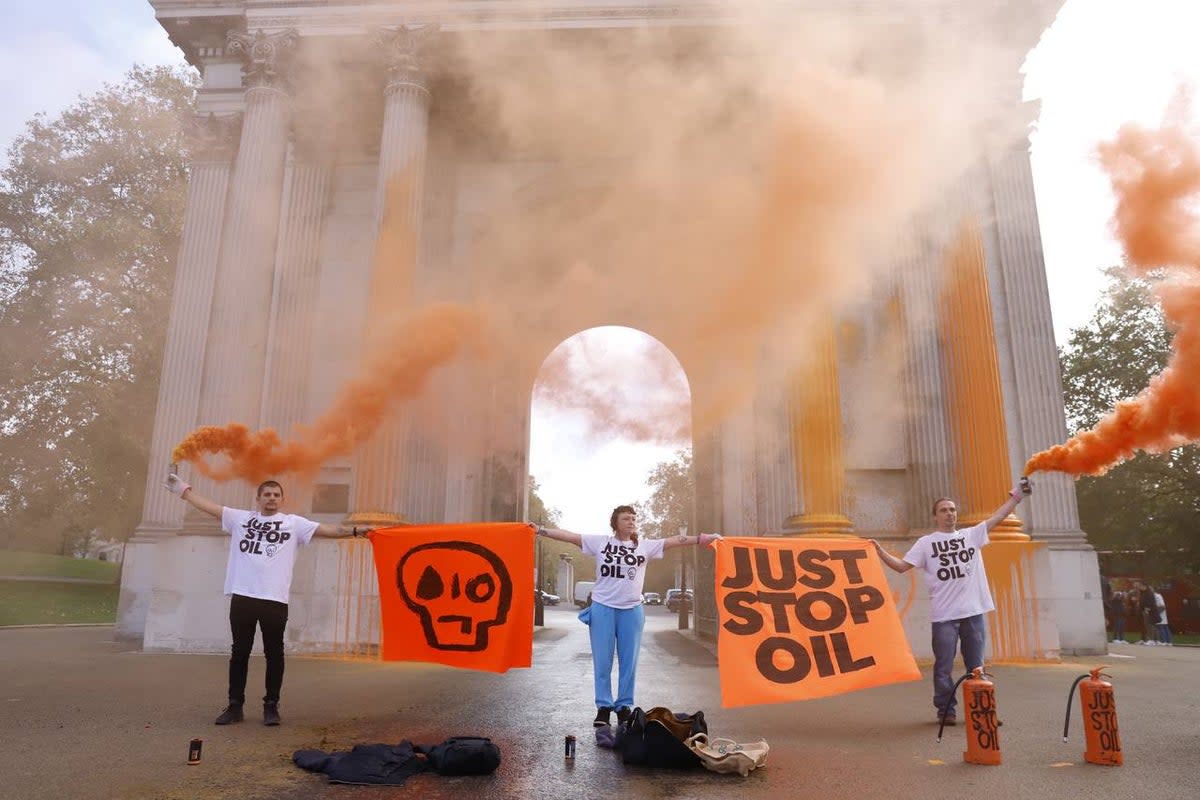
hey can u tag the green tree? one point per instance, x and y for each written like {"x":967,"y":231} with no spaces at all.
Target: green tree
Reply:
{"x":1152,"y":501}
{"x":91,"y":208}
{"x":539,"y":513}
{"x":672,"y":499}
{"x":549,"y":551}
{"x":667,"y":511}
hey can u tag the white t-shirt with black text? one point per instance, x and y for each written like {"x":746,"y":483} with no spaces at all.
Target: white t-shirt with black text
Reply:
{"x":620,"y":568}
{"x":262,"y":552}
{"x":953,"y":568}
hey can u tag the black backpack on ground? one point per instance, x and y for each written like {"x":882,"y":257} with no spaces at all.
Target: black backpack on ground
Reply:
{"x":463,"y":755}
{"x":656,"y":738}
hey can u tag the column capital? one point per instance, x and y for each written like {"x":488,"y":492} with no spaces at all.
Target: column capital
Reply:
{"x":264,"y":56}
{"x":404,"y":49}
{"x":212,"y":137}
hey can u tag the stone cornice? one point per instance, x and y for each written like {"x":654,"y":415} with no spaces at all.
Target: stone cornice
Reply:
{"x":1018,"y":23}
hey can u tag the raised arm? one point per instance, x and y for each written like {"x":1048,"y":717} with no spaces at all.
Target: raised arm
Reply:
{"x":176,"y":485}
{"x":898,"y":564}
{"x":560,"y":535}
{"x":1015,"y":497}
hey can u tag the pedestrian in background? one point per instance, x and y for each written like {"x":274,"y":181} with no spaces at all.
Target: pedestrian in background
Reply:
{"x":1119,"y":609}
{"x":1164,"y":629}
{"x":1149,"y":613}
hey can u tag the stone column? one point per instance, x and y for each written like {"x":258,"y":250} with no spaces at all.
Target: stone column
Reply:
{"x":973,"y":390}
{"x":289,"y":356}
{"x":816,"y":428}
{"x":1052,"y":511}
{"x":235,"y":360}
{"x":928,"y":445}
{"x":213,"y":141}
{"x":381,"y":466}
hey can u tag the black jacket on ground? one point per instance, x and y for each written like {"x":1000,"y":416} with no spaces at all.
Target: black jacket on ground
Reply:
{"x":375,"y":764}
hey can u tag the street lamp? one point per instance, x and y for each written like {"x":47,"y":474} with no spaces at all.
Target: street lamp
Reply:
{"x":683,"y":609}
{"x":539,"y":610}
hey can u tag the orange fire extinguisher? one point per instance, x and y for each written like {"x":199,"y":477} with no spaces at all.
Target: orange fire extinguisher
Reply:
{"x":1098,"y":703}
{"x":983,"y":728}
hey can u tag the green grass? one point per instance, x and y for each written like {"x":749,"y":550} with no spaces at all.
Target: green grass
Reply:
{"x":43,"y":565}
{"x":42,"y":602}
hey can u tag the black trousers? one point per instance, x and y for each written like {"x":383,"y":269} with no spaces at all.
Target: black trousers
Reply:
{"x":245,"y":614}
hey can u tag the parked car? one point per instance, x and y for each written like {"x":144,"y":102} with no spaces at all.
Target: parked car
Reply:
{"x":583,"y":593}
{"x":652,"y":599}
{"x":547,"y":598}
{"x":677,"y":596}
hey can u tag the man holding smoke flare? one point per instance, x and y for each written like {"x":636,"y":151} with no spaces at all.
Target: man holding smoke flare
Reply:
{"x":258,"y":578}
{"x":959,"y":595}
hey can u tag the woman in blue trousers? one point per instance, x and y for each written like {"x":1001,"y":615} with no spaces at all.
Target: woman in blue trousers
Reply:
{"x":615,"y":616}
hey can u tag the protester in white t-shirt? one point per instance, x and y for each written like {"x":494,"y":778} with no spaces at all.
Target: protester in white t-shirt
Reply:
{"x":952,"y":564}
{"x":1164,"y":627}
{"x":258,"y":578}
{"x":616,"y":618}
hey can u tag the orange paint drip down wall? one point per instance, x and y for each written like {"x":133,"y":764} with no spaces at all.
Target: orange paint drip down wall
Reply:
{"x":1013,"y":631}
{"x":1156,"y":177}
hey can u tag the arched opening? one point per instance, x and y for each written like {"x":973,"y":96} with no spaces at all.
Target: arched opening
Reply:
{"x":610,"y":424}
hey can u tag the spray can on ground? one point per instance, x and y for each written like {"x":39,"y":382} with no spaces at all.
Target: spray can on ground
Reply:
{"x":194,"y":751}
{"x":569,"y":748}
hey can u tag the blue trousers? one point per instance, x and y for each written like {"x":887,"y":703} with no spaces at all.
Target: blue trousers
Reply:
{"x":618,"y":629}
{"x":971,"y":632}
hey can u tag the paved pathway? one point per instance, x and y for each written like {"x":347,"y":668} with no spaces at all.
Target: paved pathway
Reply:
{"x":87,"y":717}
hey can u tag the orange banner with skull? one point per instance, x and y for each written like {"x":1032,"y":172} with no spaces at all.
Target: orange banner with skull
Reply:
{"x":460,"y":595}
{"x":805,"y":618}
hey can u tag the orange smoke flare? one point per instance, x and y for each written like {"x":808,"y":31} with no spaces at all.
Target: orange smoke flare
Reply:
{"x":415,"y":346}
{"x":1156,"y":176}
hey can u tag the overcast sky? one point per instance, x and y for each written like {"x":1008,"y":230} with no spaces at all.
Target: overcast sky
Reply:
{"x":1102,"y":63}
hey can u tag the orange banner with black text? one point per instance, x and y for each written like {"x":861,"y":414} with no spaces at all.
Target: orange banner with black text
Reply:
{"x":460,"y":595}
{"x":805,"y":618}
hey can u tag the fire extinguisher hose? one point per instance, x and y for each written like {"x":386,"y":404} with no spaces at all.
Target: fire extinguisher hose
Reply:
{"x":953,"y":692}
{"x":1070,"y":697}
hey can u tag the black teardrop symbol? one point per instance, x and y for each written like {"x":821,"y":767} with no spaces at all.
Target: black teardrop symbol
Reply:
{"x":430,"y":587}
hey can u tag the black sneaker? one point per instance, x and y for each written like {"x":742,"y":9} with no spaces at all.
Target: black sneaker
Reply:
{"x":949,"y":719}
{"x":232,"y":713}
{"x":271,"y":714}
{"x":602,"y":717}
{"x":623,"y":714}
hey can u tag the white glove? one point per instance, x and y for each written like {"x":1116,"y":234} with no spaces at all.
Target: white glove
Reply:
{"x":706,"y":539}
{"x":176,"y":485}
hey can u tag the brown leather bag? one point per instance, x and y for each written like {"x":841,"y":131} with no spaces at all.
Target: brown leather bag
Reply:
{"x":681,"y":726}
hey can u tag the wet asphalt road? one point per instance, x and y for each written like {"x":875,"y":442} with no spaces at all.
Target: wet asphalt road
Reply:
{"x":86,"y":717}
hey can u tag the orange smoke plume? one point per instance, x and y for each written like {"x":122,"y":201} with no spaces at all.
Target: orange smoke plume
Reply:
{"x":1156,"y":176}
{"x":415,"y":346}
{"x":638,"y":396}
